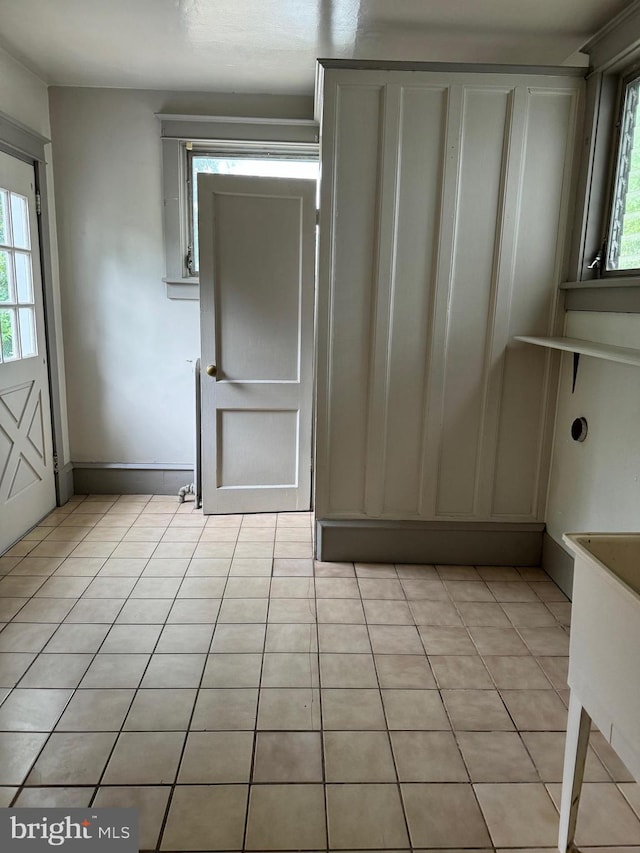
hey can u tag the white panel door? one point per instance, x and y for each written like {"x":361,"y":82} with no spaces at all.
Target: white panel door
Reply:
{"x":27,"y":489}
{"x":257,"y":265}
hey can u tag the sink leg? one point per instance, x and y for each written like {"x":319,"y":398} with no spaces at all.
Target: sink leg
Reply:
{"x":575,"y":754}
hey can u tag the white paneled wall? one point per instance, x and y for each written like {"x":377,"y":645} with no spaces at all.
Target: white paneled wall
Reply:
{"x":444,"y":206}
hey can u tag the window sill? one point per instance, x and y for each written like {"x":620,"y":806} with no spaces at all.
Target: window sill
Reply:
{"x":182,"y":288}
{"x":618,"y":295}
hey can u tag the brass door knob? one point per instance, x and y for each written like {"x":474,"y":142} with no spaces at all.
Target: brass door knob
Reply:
{"x":212,"y":370}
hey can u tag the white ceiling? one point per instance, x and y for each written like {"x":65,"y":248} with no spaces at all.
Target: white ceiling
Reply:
{"x":271,"y":45}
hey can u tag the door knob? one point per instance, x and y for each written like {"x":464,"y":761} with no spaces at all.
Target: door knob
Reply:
{"x":212,"y":370}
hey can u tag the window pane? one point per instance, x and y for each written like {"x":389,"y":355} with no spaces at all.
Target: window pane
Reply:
{"x":20,"y":222}
{"x":6,"y":277}
{"x":624,"y":236}
{"x":27,"y":332}
{"x":24,"y":278}
{"x":8,"y":334}
{"x":4,"y":217}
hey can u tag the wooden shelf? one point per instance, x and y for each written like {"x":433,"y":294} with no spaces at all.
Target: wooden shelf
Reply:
{"x":624,"y":355}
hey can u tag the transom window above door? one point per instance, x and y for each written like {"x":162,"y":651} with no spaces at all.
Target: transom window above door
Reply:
{"x":273,"y":165}
{"x":17,"y":307}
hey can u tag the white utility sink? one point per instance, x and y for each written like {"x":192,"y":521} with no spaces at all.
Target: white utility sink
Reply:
{"x":604,"y":659}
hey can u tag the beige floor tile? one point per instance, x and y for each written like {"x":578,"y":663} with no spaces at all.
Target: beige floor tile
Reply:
{"x":352,"y":639}
{"x":292,"y":610}
{"x":194,"y":610}
{"x":512,"y":591}
{"x":145,"y":758}
{"x":45,"y":610}
{"x":161,"y":710}
{"x":516,"y":673}
{"x":52,"y":549}
{"x":177,"y":544}
{"x":216,"y":757}
{"x":375,"y":571}
{"x":609,"y":757}
{"x":72,"y":759}
{"x":446,"y":640}
{"x":100,"y":610}
{"x":31,"y":798}
{"x":519,"y":815}
{"x":20,"y":586}
{"x":130,"y":567}
{"x":338,"y":587}
{"x":365,"y":816}
{"x":43,"y":566}
{"x":529,"y":615}
{"x":458,"y":672}
{"x":220,"y":534}
{"x":206,"y":817}
{"x":6,"y":796}
{"x":238,"y":638}
{"x":547,"y":751}
{"x":395,"y":640}
{"x":13,"y":666}
{"x":298,"y":533}
{"x":428,"y":757}
{"x":254,"y":550}
{"x":381,"y":588}
{"x":19,"y":751}
{"x":561,"y":610}
{"x":498,"y":641}
{"x":286,"y":587}
{"x":247,"y":587}
{"x":137,"y":550}
{"x":289,"y":709}
{"x":232,"y":670}
{"x":96,"y":711}
{"x":32,"y":710}
{"x":556,"y":669}
{"x":477,"y":710}
{"x":94,"y":550}
{"x":345,"y":611}
{"x":352,"y":709}
{"x":286,"y":817}
{"x":176,"y":670}
{"x":225,"y":709}
{"x":548,"y":591}
{"x":144,"y":534}
{"x":9,"y":607}
{"x":202,"y":588}
{"x":441,"y":815}
{"x":115,"y":671}
{"x":80,"y":566}
{"x":290,"y":669}
{"x":323,"y":569}
{"x":380,"y":612}
{"x":78,"y":638}
{"x":150,"y":587}
{"x":293,"y":550}
{"x":168,"y":567}
{"x":481,"y":615}
{"x":409,"y":710}
{"x":436,"y":613}
{"x":108,"y":587}
{"x":297,"y":637}
{"x":355,"y":756}
{"x":532,"y":573}
{"x":347,"y":670}
{"x":430,"y":589}
{"x":131,"y":638}
{"x":185,"y":638}
{"x":631,"y":793}
{"x":288,"y":757}
{"x":536,"y":710}
{"x":26,"y":636}
{"x":237,"y":610}
{"x":499,"y":573}
{"x":150,"y":803}
{"x":56,"y":670}
{"x":404,"y":672}
{"x":288,"y":567}
{"x":469,"y":590}
{"x":250,"y":567}
{"x":496,"y":757}
{"x":546,"y":641}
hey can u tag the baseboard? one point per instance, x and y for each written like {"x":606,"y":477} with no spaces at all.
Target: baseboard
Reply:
{"x":452,"y":543}
{"x":558,"y":564}
{"x":64,"y":484}
{"x":130,"y":480}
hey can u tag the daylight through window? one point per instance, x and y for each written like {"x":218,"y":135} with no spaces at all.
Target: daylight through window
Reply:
{"x":17,"y":310}
{"x":623,"y":251}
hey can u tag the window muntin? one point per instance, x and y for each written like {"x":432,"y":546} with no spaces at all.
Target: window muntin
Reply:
{"x":266,"y":165}
{"x":17,"y":307}
{"x":623,"y":244}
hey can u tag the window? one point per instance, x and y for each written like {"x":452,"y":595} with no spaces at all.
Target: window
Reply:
{"x":273,"y":166}
{"x":623,"y":245}
{"x":17,"y":309}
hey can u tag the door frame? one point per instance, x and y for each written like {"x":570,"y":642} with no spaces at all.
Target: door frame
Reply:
{"x":24,"y":144}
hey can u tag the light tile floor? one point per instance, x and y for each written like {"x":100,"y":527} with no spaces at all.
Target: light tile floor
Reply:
{"x":206,"y":671}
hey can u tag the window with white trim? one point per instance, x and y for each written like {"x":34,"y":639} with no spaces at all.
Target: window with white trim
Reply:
{"x":17,"y":308}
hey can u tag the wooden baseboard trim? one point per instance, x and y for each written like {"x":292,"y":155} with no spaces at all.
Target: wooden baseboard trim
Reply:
{"x":558,"y":564}
{"x":130,"y":481}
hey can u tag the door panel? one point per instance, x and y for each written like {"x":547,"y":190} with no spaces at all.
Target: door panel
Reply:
{"x":27,"y":490}
{"x":257,"y":258}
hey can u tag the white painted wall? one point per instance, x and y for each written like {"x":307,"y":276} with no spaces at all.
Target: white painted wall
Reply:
{"x":595,"y":485}
{"x":130,"y":350}
{"x":24,"y":98}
